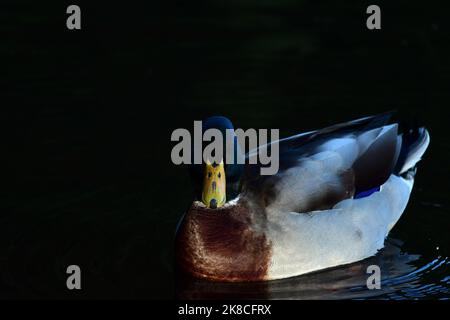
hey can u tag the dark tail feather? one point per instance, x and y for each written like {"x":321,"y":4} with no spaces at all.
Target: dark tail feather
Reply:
{"x":414,"y":144}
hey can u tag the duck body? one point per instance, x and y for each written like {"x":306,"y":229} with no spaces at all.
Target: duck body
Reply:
{"x":338,"y":193}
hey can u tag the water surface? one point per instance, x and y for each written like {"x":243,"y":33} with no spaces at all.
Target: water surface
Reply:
{"x":92,"y":113}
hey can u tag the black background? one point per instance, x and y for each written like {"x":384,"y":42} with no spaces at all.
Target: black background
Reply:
{"x":89,"y":115}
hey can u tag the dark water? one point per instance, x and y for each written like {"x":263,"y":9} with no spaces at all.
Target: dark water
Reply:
{"x":91,"y":113}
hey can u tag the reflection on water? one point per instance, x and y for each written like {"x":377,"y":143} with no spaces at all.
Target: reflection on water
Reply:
{"x":402,"y":278}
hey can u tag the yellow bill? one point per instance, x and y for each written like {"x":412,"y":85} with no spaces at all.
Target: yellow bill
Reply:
{"x":214,"y":185}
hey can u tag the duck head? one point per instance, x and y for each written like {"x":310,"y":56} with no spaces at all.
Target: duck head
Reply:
{"x":218,"y":181}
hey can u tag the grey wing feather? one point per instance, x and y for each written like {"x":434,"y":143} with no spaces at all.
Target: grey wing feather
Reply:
{"x":323,"y":167}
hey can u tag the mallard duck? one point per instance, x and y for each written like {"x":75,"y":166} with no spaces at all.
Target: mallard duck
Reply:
{"x":337,"y":194}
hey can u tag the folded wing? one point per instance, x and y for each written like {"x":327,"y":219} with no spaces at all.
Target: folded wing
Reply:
{"x":321,"y":168}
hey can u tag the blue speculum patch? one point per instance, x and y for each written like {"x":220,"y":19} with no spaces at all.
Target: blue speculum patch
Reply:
{"x":366,"y":193}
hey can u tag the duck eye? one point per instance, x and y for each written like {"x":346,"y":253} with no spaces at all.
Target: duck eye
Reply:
{"x":219,"y":175}
{"x":209,"y":174}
